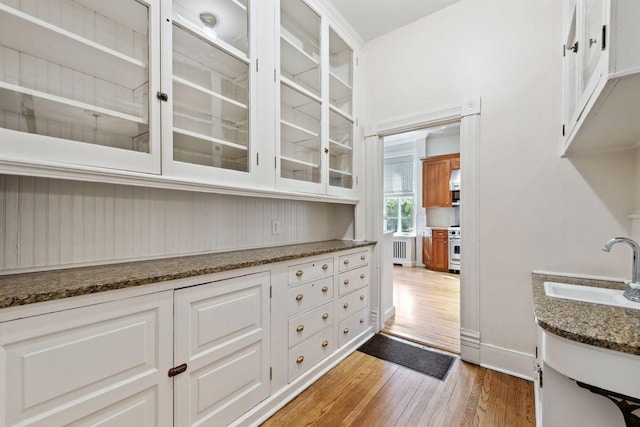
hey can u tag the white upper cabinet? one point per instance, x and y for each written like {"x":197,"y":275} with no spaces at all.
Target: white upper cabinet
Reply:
{"x":75,"y":79}
{"x":601,"y":75}
{"x":315,"y":108}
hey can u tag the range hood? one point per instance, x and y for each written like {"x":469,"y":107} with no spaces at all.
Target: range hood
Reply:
{"x":454,"y":181}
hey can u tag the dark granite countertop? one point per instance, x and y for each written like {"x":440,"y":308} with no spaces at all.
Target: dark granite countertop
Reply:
{"x":27,"y":288}
{"x":600,"y":325}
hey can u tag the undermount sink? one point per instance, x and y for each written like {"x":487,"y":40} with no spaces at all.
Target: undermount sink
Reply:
{"x":589,"y":294}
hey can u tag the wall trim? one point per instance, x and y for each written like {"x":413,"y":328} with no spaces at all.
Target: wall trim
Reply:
{"x":414,"y":121}
{"x":470,"y":346}
{"x":507,"y":361}
{"x":388,"y":314}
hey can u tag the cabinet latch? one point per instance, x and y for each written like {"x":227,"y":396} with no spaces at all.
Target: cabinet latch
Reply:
{"x":162,"y":96}
{"x":177,"y":370}
{"x":539,"y":371}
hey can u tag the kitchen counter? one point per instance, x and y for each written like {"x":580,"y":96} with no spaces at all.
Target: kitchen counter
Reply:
{"x":599,"y":325}
{"x":27,"y":288}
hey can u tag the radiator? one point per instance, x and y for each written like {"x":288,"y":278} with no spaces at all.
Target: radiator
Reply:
{"x":404,"y":249}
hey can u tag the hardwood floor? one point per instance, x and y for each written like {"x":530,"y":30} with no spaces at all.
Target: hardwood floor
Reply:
{"x":427,"y":308}
{"x":365,"y":391}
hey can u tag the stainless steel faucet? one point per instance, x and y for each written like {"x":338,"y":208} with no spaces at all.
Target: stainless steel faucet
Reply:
{"x":633,"y":287}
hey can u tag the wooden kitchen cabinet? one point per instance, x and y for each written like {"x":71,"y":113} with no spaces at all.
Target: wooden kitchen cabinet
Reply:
{"x":435,"y":250}
{"x":436,"y":173}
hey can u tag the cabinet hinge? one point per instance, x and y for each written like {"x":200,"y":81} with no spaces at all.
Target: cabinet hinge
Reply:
{"x":275,"y":163}
{"x":562,"y":130}
{"x":540,"y":375}
{"x":536,"y":352}
{"x":275,"y":75}
{"x":564,"y":50}
{"x":604,"y":37}
{"x":270,"y":373}
{"x":257,"y":62}
{"x":257,"y":159}
{"x":177,"y":370}
{"x":162,"y":96}
{"x":270,"y":291}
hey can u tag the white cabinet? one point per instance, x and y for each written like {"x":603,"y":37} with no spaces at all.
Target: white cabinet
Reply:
{"x":601,"y":75}
{"x":104,"y":363}
{"x":315,"y":136}
{"x":353,"y":291}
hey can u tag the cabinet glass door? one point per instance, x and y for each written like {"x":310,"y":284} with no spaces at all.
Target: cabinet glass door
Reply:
{"x":340,"y":112}
{"x":211,"y":85}
{"x":300,"y":128}
{"x":570,"y":67}
{"x":78,"y":73}
{"x":592,"y":51}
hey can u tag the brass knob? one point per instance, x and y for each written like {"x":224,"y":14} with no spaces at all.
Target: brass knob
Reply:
{"x":363,"y":257}
{"x":325,"y":266}
{"x":299,"y":297}
{"x":346,"y":305}
{"x":325,"y":288}
{"x":346,"y":261}
{"x":346,"y":331}
{"x":361,"y":297}
{"x":325,"y":343}
{"x":300,"y":359}
{"x":362,"y":320}
{"x":346,"y":281}
{"x":326,"y":150}
{"x":300,"y":328}
{"x":299,"y":273}
{"x":362,"y":276}
{"x":325,"y":315}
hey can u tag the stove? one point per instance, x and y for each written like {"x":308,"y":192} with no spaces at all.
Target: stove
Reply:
{"x":454,"y":248}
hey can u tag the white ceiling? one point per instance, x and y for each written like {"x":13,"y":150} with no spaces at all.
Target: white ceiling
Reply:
{"x":373,"y":18}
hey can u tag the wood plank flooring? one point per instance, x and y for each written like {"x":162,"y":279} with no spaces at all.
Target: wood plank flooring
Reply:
{"x":427,"y":308}
{"x":365,"y":391}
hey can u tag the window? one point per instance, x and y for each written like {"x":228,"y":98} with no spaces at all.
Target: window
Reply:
{"x":398,"y":195}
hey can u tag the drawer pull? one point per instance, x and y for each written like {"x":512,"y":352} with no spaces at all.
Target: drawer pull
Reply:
{"x":300,"y":359}
{"x":346,"y":305}
{"x":362,"y":276}
{"x":299,"y":273}
{"x":363,"y":257}
{"x":325,"y":315}
{"x":346,"y":262}
{"x":346,"y":281}
{"x":300,"y":328}
{"x":362,"y":320}
{"x":346,"y":331}
{"x":177,"y":370}
{"x":325,"y":266}
{"x":325,"y":343}
{"x":325,"y":289}
{"x":361,"y":297}
{"x":299,"y":297}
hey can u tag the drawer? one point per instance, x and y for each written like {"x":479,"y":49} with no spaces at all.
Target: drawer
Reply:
{"x":347,"y":262}
{"x":303,"y":297}
{"x":303,"y":326}
{"x":309,"y":352}
{"x":302,"y":273}
{"x":352,"y":326}
{"x":441,"y":234}
{"x":352,"y":280}
{"x":352,"y":302}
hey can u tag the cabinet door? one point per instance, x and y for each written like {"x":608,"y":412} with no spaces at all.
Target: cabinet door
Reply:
{"x":593,"y":44}
{"x":75,"y":83}
{"x":209,"y":119}
{"x":104,"y":364}
{"x":435,"y":188}
{"x":441,"y":254}
{"x":571,"y":84}
{"x":222,"y":334}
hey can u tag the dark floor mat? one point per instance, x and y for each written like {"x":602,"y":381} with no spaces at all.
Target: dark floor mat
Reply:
{"x":416,"y":358}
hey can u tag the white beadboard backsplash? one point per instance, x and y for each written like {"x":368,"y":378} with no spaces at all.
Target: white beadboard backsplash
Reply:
{"x":51,"y":223}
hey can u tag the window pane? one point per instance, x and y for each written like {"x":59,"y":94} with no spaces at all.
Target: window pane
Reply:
{"x":406,"y":213}
{"x":398,"y":176}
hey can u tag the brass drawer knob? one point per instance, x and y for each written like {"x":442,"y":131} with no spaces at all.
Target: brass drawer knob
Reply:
{"x":361,"y":297}
{"x":300,"y":359}
{"x":325,"y":289}
{"x":299,"y":297}
{"x":346,"y":281}
{"x":346,"y":331}
{"x":325,"y":266}
{"x":325,"y":315}
{"x":300,"y":328}
{"x":346,"y":261}
{"x":363,"y":257}
{"x":346,"y":305}
{"x":299,"y":273}
{"x":362,"y":276}
{"x":325,"y":343}
{"x":362,"y":320}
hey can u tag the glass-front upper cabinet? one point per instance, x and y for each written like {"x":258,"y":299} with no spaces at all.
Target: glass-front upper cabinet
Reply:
{"x":75,"y":79}
{"x":207,"y":134}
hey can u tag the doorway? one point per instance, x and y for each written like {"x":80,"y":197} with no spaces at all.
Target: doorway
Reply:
{"x":426,"y":281}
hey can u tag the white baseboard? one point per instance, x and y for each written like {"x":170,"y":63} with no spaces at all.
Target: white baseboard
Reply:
{"x":280,"y":398}
{"x":409,"y":264}
{"x":388,"y":314}
{"x":470,"y":346}
{"x":507,"y":361}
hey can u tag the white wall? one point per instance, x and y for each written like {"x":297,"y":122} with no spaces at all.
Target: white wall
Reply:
{"x":48,"y":223}
{"x":537,"y":211}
